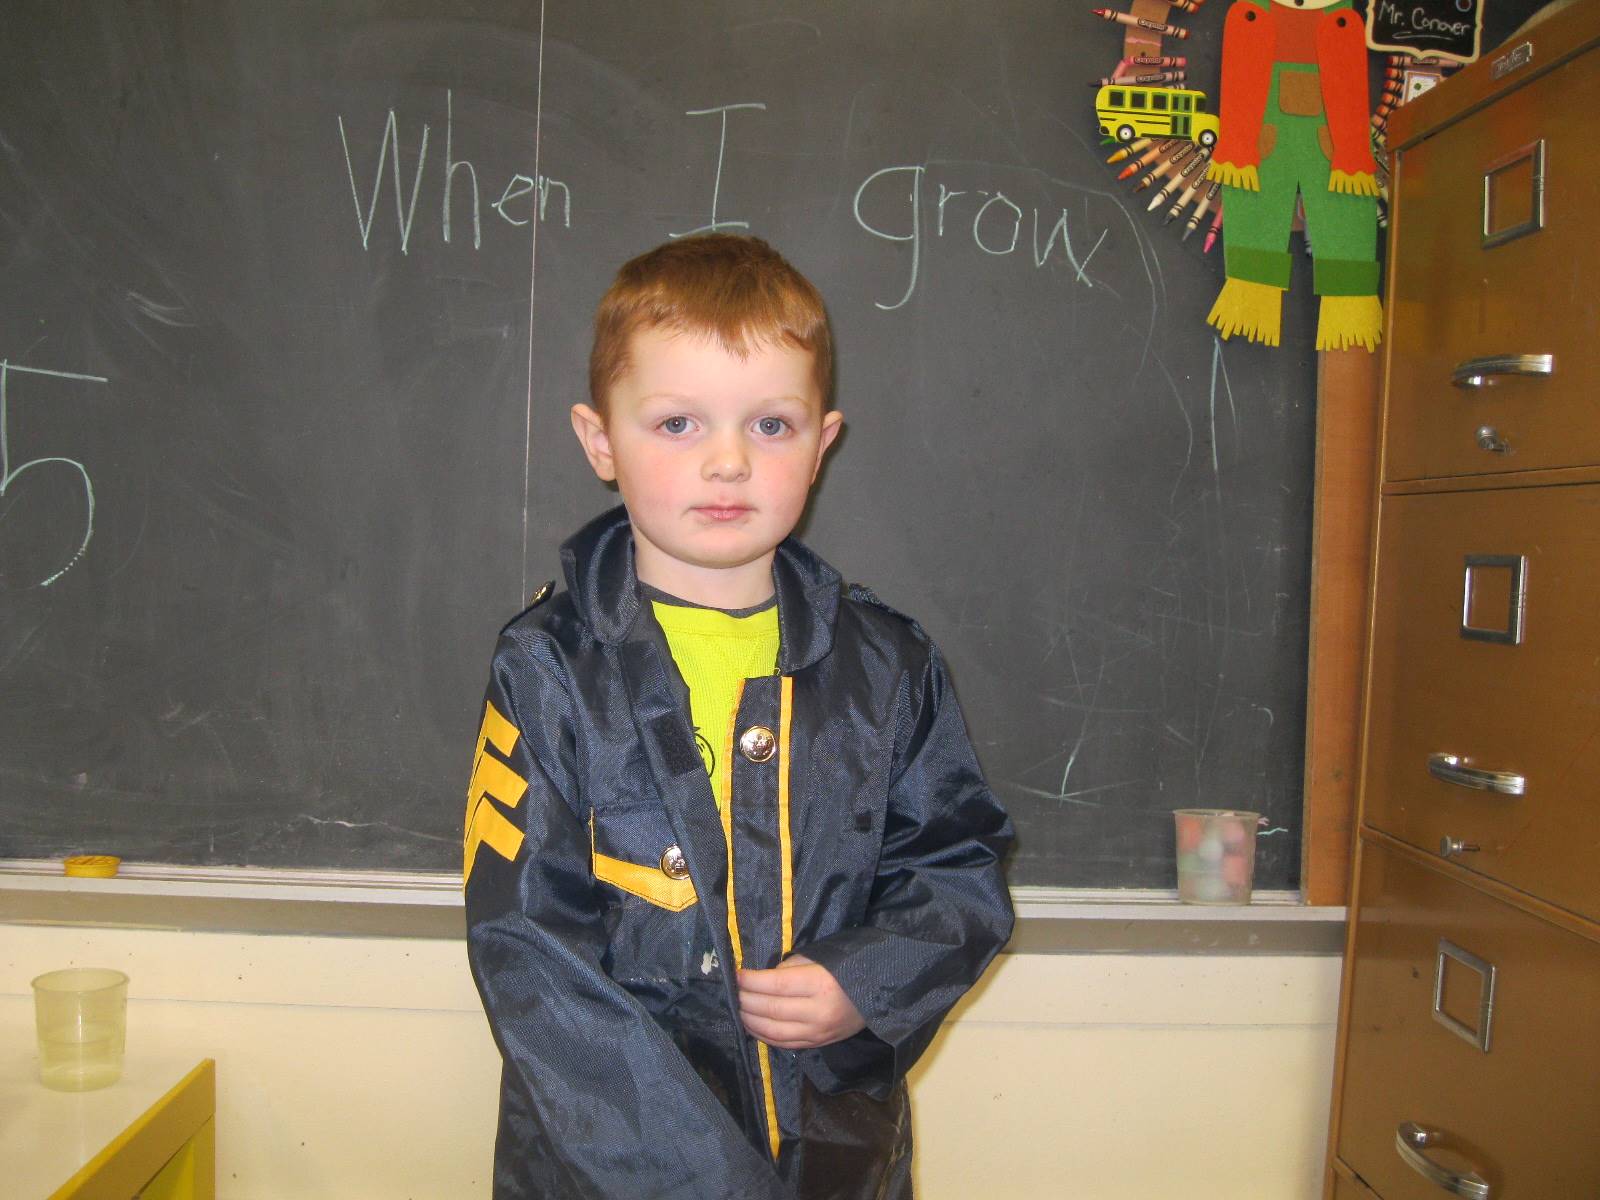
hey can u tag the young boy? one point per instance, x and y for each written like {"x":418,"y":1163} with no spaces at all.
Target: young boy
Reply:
{"x":729,"y":855}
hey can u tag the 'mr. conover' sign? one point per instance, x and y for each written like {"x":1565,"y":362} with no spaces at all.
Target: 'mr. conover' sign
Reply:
{"x":1426,"y":28}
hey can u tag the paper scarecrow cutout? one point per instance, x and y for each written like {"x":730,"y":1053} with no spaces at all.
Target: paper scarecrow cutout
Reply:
{"x":1295,"y":119}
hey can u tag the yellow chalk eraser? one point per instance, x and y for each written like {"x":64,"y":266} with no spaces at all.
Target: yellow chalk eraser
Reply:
{"x":92,"y":866}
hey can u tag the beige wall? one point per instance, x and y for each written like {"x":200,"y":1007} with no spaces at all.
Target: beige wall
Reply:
{"x":351,"y":1067}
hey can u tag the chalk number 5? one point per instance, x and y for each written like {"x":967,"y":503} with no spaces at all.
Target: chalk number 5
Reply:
{"x":10,"y":474}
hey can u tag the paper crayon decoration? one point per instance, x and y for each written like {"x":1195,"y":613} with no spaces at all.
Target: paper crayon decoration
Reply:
{"x":1122,"y":18}
{"x":1137,"y":146}
{"x":1162,"y":61}
{"x":1188,"y":180}
{"x":1141,"y":29}
{"x":1294,"y":119}
{"x":1150,"y":78}
{"x":1159,"y":150}
{"x":1161,"y":166}
{"x":1201,"y":209}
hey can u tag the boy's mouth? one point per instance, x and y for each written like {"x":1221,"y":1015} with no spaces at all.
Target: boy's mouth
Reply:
{"x":719,"y":512}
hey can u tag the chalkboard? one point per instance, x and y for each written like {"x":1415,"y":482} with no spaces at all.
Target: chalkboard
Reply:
{"x":299,"y":294}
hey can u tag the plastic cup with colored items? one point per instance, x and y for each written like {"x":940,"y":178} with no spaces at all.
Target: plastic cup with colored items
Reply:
{"x":1216,"y":855}
{"x":81,"y":1015}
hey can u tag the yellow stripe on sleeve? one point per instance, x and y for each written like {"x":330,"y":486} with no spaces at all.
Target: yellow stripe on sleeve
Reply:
{"x":485,"y":824}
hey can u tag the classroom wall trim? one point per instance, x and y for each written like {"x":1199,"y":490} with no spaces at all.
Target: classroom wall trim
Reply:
{"x":398,"y":904}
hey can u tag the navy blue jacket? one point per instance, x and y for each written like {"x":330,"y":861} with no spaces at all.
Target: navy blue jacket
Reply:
{"x":608,"y":901}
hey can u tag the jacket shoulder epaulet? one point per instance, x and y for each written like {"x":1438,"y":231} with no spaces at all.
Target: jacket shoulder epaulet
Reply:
{"x":861,"y":592}
{"x":540,"y":594}
{"x":905,"y":621}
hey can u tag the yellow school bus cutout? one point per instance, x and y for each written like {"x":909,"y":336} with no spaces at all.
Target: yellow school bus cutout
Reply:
{"x":1127,"y":112}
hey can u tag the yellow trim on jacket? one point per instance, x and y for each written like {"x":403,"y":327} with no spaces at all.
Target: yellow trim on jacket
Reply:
{"x":647,"y":882}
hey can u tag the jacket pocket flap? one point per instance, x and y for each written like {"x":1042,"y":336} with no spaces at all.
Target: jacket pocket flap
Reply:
{"x":648,"y":883}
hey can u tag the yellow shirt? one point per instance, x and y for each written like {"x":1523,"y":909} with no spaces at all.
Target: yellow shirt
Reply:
{"x":716,"y":652}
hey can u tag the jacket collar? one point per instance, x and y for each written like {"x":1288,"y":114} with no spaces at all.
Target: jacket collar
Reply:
{"x":598,"y":562}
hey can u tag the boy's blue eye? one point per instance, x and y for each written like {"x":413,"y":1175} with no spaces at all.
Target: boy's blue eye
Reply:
{"x":675,"y":425}
{"x":772,"y":426}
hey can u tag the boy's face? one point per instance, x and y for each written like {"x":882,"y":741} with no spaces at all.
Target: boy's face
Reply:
{"x":714,"y":456}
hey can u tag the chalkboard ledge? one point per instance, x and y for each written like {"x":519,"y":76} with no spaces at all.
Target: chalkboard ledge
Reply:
{"x":1154,"y":921}
{"x":376,"y":904}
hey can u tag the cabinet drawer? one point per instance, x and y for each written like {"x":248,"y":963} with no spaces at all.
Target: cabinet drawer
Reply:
{"x":1518,"y":698}
{"x":1456,"y":298}
{"x":1521,"y":1114}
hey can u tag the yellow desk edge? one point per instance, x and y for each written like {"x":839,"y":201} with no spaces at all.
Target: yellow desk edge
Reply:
{"x":130,"y":1162}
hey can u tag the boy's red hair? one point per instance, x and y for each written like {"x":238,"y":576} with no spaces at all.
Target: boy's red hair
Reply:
{"x":731,"y":287}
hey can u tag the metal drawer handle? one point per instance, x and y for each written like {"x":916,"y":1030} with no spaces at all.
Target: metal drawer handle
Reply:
{"x":1411,"y":1142}
{"x":1451,"y":769}
{"x":1478,"y":372}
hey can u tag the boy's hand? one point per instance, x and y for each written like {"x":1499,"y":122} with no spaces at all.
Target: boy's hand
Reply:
{"x":797,"y":1005}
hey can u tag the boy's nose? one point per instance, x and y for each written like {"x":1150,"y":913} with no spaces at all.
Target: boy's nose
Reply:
{"x":726,"y":460}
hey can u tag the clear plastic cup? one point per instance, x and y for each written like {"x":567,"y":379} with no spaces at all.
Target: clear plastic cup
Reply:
{"x":1216,"y":855}
{"x":81,"y":1015}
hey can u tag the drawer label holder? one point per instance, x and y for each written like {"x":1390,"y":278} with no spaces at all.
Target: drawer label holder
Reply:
{"x":1509,"y":631}
{"x":1500,"y":173}
{"x":1450,"y":952}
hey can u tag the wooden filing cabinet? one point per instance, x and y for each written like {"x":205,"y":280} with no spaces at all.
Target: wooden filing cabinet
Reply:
{"x":1469,"y":1040}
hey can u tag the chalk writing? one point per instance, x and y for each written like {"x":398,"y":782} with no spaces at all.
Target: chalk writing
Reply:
{"x":716,"y":184}
{"x":403,"y":216}
{"x":996,"y":226}
{"x":539,"y":187}
{"x":9,"y":474}
{"x":451,"y":166}
{"x":1418,"y":23}
{"x":1446,"y":27}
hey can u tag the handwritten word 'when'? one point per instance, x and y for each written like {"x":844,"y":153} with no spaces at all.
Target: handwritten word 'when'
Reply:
{"x":511,"y":206}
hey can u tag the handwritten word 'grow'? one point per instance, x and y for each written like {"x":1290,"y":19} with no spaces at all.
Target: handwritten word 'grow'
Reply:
{"x":996,"y":226}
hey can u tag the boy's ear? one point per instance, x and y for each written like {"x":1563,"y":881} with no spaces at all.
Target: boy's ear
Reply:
{"x":832,"y":423}
{"x":591,"y":431}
